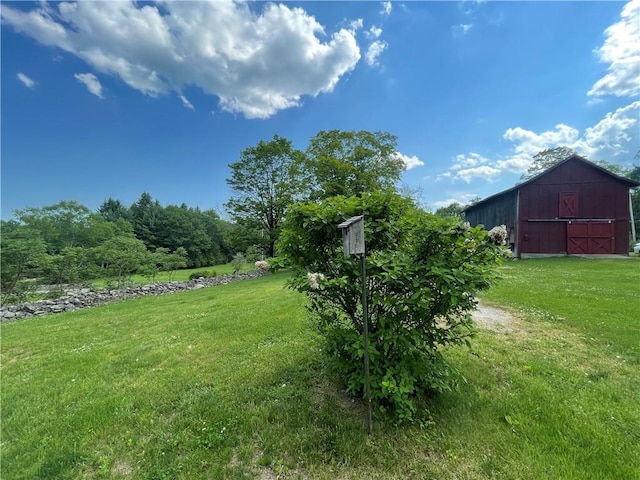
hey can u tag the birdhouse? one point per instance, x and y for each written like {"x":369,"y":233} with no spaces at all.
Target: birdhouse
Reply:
{"x":353,"y":235}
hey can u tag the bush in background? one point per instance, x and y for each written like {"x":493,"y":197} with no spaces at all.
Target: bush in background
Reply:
{"x":203,"y":274}
{"x":238,"y":262}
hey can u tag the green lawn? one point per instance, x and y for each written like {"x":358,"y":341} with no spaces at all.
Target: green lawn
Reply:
{"x":228,"y":382}
{"x":599,"y":297}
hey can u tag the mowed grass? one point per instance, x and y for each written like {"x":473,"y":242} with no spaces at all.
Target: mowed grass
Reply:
{"x":229,"y":382}
{"x":599,"y":297}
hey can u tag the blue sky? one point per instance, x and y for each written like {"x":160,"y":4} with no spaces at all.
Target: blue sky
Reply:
{"x":110,"y":99}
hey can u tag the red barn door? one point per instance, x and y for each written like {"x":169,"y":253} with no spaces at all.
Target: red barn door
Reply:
{"x":568,"y":205}
{"x":591,"y":237}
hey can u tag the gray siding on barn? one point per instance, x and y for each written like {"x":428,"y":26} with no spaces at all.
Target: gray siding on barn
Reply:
{"x":499,"y":210}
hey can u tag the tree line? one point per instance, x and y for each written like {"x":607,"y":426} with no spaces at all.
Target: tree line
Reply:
{"x":69,"y":243}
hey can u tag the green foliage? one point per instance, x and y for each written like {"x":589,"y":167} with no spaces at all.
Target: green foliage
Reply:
{"x":276,"y":263}
{"x":66,"y":224}
{"x":145,"y":221}
{"x":238,"y":262}
{"x":351,"y":163}
{"x":423,"y":274}
{"x":203,"y":274}
{"x":173,"y":261}
{"x":253,"y":253}
{"x":113,"y":210}
{"x":23,"y":253}
{"x":71,"y":265}
{"x":454,"y":209}
{"x":546,"y":159}
{"x":265,"y":181}
{"x":162,"y":260}
{"x":54,"y":293}
{"x":21,"y":292}
{"x":121,"y":256}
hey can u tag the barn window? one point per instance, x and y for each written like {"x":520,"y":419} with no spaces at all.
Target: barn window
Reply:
{"x":568,"y":205}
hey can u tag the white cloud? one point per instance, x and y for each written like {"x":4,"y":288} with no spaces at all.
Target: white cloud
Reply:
{"x":615,"y":131}
{"x":470,"y":160}
{"x":386,"y":8}
{"x":484,"y":172}
{"x":186,"y":102}
{"x":531,"y":142}
{"x":373,"y":32}
{"x":615,"y":138}
{"x":460,"y":198}
{"x":26,"y":80}
{"x":621,"y":50}
{"x":463,"y":28}
{"x":91,"y":82}
{"x":256,"y":63}
{"x":610,"y":138}
{"x":374,"y":51}
{"x":409,"y":161}
{"x":355,"y":25}
{"x":469,"y":167}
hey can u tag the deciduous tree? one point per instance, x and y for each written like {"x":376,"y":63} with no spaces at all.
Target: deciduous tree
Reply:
{"x":121,"y":256}
{"x":352,"y":163}
{"x":265,"y":181}
{"x":454,"y":209}
{"x":65,"y":224}
{"x":23,"y":253}
{"x":546,"y":159}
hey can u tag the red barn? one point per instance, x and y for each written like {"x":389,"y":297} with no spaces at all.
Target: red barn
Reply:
{"x":574,"y":207}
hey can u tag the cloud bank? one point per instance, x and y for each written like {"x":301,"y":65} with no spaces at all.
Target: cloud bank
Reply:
{"x":621,"y":50}
{"x":256,"y":58}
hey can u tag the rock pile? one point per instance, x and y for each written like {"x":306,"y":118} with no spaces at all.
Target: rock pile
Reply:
{"x":86,"y":297}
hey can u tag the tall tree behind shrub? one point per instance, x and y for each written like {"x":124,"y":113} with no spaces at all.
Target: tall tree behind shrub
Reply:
{"x":265,"y":181}
{"x":352,"y":163}
{"x":423,"y":273}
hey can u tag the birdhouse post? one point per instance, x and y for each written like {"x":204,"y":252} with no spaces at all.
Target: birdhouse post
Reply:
{"x":353,"y":244}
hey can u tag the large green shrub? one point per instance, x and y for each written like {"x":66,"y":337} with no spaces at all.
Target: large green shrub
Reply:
{"x":423,"y":273}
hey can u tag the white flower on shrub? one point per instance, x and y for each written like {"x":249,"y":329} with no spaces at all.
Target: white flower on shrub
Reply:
{"x":262,"y":265}
{"x":498,"y":235}
{"x":466,"y":226}
{"x":314,"y":279}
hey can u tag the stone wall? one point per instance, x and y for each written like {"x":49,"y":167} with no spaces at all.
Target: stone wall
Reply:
{"x":85,"y":297}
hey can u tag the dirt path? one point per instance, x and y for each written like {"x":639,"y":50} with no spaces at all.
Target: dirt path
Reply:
{"x":494,"y":319}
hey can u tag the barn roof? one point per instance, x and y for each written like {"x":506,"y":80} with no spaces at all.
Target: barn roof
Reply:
{"x":628,"y":181}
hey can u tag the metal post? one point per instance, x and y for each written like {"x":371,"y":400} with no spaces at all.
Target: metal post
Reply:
{"x":365,"y":334}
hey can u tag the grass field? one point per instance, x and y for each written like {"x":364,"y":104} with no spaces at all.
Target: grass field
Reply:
{"x":228,"y":382}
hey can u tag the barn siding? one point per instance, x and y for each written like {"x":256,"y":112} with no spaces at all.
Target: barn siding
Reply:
{"x":497,"y":211}
{"x":540,"y":229}
{"x":543,"y":237}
